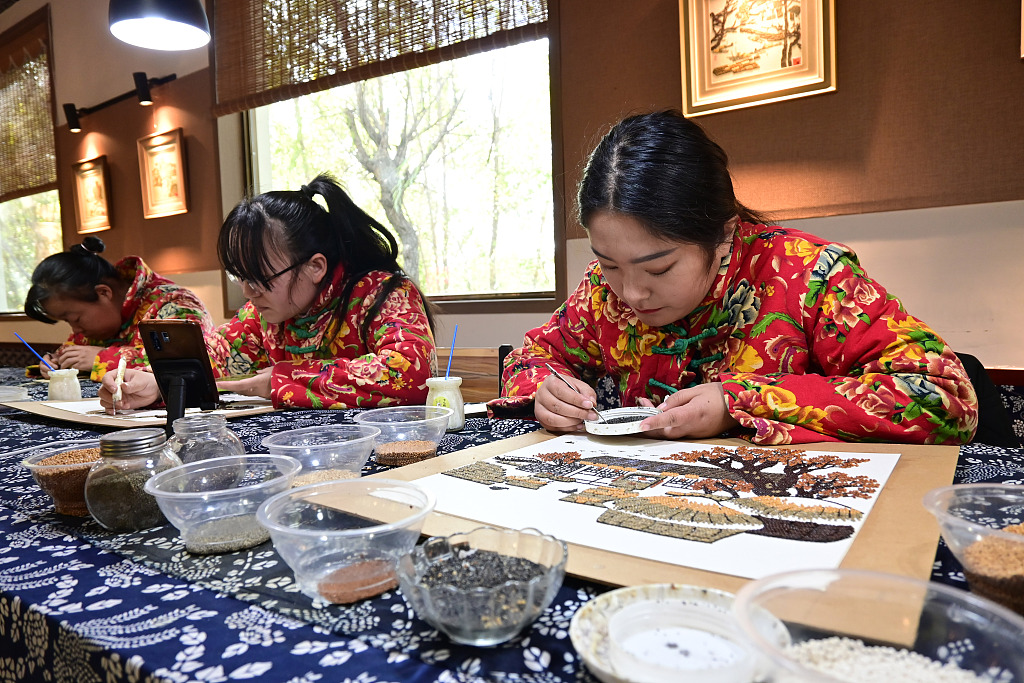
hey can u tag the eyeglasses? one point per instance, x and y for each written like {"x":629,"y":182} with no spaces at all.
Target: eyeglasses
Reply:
{"x":260,"y":287}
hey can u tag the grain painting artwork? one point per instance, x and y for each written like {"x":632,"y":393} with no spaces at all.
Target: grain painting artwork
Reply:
{"x":701,"y":506}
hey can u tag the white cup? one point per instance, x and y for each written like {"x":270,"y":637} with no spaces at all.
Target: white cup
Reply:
{"x":64,"y":385}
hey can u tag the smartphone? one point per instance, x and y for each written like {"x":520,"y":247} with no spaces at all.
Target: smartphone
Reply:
{"x":181,"y":364}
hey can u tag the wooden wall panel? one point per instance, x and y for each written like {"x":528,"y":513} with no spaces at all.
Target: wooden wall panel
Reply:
{"x":927,"y":111}
{"x":182,"y":243}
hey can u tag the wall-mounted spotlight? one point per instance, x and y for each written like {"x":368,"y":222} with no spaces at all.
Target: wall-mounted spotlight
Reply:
{"x":71,"y":114}
{"x":160,"y":24}
{"x":142,"y":86}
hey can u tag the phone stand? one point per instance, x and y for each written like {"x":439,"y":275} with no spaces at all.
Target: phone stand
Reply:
{"x":183,"y":385}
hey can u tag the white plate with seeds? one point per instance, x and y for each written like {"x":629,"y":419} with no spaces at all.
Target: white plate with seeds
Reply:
{"x":591,"y":628}
{"x":618,"y":421}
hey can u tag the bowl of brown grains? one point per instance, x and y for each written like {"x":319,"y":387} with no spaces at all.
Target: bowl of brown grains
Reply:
{"x":60,"y":469}
{"x":983,"y":524}
{"x":408,"y":434}
{"x":864,"y":626}
{"x":342,"y":539}
{"x":327,"y":452}
{"x":486,"y":586}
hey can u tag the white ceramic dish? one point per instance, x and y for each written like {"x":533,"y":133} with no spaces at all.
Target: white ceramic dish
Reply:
{"x":630,"y":421}
{"x":589,"y":629}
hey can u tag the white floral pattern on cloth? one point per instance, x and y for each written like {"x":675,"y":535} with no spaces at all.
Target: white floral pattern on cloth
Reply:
{"x":79,"y":604}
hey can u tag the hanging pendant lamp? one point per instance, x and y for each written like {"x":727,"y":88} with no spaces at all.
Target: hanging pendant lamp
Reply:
{"x":160,"y":24}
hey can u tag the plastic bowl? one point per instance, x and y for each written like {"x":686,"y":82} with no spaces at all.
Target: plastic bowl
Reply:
{"x":13,"y":394}
{"x":847,"y":625}
{"x":213,"y":502}
{"x":342,"y":539}
{"x":485,"y":586}
{"x":64,"y":483}
{"x":327,"y":452}
{"x":407,"y":433}
{"x":974,"y":519}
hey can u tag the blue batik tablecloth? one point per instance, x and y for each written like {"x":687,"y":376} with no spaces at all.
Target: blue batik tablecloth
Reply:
{"x":80,"y":604}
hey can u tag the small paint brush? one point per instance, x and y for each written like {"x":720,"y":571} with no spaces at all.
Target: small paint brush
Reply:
{"x":600,"y":417}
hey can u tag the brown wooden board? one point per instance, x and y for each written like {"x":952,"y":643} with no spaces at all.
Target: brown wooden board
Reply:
{"x":258,"y":407}
{"x":899,"y":536}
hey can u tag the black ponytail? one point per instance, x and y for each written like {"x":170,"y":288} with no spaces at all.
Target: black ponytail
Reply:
{"x":297,"y":223}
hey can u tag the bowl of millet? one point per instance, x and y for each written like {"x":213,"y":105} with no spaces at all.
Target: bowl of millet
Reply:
{"x":60,"y":469}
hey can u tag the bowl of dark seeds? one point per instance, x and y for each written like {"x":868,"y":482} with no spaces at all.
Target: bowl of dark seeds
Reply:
{"x":485,"y":586}
{"x":213,"y":502}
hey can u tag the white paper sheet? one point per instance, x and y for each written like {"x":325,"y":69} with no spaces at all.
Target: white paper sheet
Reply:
{"x":634,"y":469}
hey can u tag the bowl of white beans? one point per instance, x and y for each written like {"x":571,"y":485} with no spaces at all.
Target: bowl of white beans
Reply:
{"x":853,"y":626}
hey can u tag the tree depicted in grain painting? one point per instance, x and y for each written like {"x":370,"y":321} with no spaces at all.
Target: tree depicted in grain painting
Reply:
{"x":801,"y":475}
{"x":776,"y":494}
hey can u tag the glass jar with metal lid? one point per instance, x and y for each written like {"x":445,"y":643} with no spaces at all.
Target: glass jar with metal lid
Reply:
{"x":203,"y":436}
{"x":115,"y":488}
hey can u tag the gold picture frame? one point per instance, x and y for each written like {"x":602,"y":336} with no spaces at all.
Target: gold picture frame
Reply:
{"x":162,"y":171}
{"x":92,"y":195}
{"x":742,"y":53}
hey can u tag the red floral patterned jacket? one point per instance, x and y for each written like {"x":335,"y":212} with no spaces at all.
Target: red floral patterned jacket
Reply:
{"x":149,"y":296}
{"x":807,"y":347}
{"x":321,"y":361}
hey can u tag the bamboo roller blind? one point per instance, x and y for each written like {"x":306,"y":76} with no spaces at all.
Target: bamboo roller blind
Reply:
{"x":273,"y":50}
{"x":27,"y":158}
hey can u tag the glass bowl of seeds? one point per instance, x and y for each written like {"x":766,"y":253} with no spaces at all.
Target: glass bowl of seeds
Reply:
{"x":408,"y":434}
{"x":864,"y":626}
{"x":213,"y":502}
{"x":983,"y":524}
{"x":327,"y":452}
{"x":483,"y":587}
{"x":342,"y":539}
{"x":60,"y":468}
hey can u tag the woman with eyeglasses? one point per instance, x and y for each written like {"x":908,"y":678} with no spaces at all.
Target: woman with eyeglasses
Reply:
{"x":103,"y":303}
{"x":332,"y":321}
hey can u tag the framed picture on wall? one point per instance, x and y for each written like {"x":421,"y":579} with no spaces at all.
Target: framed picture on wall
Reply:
{"x":92,"y":195}
{"x":162,"y":171}
{"x":741,"y":53}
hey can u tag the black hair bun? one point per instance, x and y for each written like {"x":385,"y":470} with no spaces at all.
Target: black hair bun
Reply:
{"x":94,"y":244}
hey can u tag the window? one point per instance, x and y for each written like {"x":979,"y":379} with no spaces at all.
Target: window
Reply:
{"x":455,"y":157}
{"x":29,"y":209}
{"x":434,"y":114}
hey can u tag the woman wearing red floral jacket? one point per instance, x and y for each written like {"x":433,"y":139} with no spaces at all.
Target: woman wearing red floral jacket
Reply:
{"x":331,"y":322}
{"x":725,"y":324}
{"x":104,"y":303}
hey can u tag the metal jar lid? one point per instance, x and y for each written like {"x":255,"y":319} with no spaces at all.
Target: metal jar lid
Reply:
{"x":131,"y":442}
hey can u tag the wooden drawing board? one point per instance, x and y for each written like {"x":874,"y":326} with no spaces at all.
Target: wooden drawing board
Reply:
{"x":88,"y":411}
{"x":898,"y":537}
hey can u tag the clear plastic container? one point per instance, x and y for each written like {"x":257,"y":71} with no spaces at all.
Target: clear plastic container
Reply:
{"x":445,"y":392}
{"x":213,"y":502}
{"x":115,"y":488}
{"x":200,"y":437}
{"x":64,"y":385}
{"x":342,"y":539}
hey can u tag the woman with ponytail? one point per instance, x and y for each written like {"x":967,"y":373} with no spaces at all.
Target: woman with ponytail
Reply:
{"x":103,"y":303}
{"x":332,"y":320}
{"x":726,"y":324}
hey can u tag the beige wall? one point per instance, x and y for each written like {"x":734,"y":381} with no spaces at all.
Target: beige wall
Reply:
{"x":952,"y":266}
